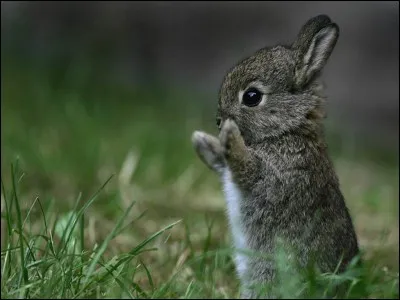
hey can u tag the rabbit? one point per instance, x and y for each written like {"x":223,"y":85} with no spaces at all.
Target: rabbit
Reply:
{"x":271,"y":156}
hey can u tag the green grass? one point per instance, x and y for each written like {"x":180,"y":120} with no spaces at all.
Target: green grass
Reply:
{"x":106,"y":197}
{"x":55,"y":262}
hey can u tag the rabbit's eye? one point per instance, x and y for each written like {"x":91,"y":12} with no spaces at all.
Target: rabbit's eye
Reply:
{"x":252,"y":97}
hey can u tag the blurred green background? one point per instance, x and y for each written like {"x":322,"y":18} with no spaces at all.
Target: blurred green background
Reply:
{"x":95,"y":89}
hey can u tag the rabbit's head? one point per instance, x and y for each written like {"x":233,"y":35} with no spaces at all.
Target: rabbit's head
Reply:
{"x":276,"y":90}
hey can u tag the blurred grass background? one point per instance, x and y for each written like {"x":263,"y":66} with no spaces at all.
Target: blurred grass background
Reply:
{"x":70,"y":128}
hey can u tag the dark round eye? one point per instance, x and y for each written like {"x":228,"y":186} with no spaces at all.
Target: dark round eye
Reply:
{"x":252,"y":97}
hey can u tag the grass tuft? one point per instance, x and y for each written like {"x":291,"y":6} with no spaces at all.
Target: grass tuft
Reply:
{"x":32,"y":268}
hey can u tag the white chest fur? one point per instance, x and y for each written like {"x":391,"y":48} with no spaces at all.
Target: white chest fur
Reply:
{"x":233,"y":199}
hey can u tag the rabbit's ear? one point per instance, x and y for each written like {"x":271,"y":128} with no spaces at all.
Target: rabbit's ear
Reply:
{"x":313,"y":46}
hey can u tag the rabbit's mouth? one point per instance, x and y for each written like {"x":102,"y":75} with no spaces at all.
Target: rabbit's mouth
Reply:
{"x":247,"y":135}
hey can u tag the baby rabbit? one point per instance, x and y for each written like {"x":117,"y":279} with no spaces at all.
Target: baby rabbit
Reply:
{"x":278,"y":179}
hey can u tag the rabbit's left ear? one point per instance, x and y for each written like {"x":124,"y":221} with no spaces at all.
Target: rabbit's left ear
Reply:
{"x":313,"y":47}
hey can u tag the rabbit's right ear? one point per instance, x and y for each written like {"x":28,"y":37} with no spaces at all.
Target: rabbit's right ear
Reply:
{"x":313,"y":46}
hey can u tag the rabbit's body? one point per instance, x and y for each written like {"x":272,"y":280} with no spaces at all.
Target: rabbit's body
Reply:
{"x":296,"y":199}
{"x":278,"y":179}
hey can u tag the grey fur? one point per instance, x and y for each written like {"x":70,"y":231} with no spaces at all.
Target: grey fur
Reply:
{"x":278,"y":157}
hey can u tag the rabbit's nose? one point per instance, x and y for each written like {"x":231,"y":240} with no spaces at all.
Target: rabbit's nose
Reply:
{"x":219,"y":121}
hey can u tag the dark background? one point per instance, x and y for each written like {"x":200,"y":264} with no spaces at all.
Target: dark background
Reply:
{"x":192,"y":44}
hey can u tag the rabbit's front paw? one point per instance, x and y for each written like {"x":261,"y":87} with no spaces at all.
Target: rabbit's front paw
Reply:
{"x":231,"y":139}
{"x":209,"y":150}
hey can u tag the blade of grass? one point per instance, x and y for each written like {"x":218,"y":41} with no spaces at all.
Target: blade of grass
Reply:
{"x":21,"y":239}
{"x":119,"y":282}
{"x":83,"y":209}
{"x":126,"y":260}
{"x":64,"y":243}
{"x":8,"y":258}
{"x":29,"y":212}
{"x":21,"y":290}
{"x":8,"y":209}
{"x":129,"y":224}
{"x":148,"y":276}
{"x":152,"y":237}
{"x":104,"y":245}
{"x":82,"y":244}
{"x":47,"y":240}
{"x":43,"y":215}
